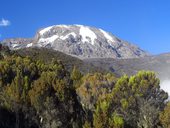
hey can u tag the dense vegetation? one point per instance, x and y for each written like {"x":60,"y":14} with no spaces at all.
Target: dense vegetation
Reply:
{"x":46,"y":55}
{"x":38,"y":94}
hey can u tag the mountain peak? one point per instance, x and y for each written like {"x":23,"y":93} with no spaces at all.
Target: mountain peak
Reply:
{"x":82,"y":41}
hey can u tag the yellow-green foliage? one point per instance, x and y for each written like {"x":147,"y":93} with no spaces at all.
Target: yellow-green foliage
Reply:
{"x":117,"y":121}
{"x":76,"y":77}
{"x":94,"y":86}
{"x":124,"y":102}
{"x":165,"y":116}
{"x":101,"y":115}
{"x":34,"y":91}
{"x":87,"y":125}
{"x":76,"y":74}
{"x":20,"y":76}
{"x":104,"y":101}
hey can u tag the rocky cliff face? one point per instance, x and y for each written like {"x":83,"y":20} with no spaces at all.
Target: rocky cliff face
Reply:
{"x":81,"y":41}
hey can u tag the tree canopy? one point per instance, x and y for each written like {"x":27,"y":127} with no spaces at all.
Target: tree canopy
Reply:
{"x":35,"y":94}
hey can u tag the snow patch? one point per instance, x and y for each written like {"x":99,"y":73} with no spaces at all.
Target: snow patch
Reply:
{"x":64,"y":26}
{"x":86,"y":33}
{"x":45,"y":30}
{"x":29,"y":45}
{"x":67,"y":36}
{"x":15,"y":45}
{"x":107,"y":36}
{"x":78,"y":25}
{"x":45,"y":41}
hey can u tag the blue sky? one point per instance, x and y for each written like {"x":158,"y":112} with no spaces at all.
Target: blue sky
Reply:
{"x":145,"y":23}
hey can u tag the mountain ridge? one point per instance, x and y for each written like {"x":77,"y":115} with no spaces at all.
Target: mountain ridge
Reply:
{"x":80,"y":41}
{"x":157,"y":63}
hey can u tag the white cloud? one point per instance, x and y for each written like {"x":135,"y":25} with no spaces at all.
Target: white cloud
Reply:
{"x":4,"y":23}
{"x":165,"y":85}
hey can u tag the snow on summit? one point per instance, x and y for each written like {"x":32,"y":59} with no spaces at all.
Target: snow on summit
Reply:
{"x":86,"y":33}
{"x":67,"y":36}
{"x":48,"y":40}
{"x":81,"y":41}
{"x":45,"y":30}
{"x":50,"y":27}
{"x":107,"y":36}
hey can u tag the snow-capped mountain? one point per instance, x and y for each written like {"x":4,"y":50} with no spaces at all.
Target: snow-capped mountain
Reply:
{"x":81,"y":41}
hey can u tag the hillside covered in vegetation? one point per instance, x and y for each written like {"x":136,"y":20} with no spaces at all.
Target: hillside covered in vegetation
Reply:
{"x":44,"y":94}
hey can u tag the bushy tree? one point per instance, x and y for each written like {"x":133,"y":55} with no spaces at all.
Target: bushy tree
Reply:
{"x":39,"y":94}
{"x":45,"y":95}
{"x":94,"y":86}
{"x":131,"y":96}
{"x":76,"y":77}
{"x":165,"y":116}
